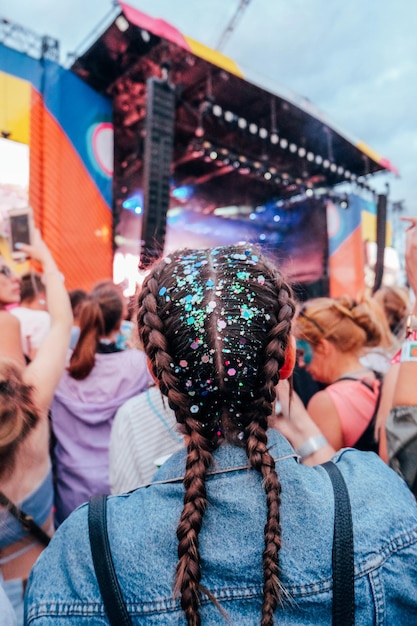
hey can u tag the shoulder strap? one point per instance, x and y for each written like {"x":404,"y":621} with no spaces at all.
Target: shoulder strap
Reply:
{"x":26,"y":520}
{"x":343,"y":608}
{"x":114,"y":604}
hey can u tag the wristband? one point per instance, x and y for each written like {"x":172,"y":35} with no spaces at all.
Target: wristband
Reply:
{"x":408,"y":351}
{"x":312,"y":445}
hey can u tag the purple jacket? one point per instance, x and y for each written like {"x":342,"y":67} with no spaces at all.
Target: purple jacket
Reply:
{"x":82,"y":416}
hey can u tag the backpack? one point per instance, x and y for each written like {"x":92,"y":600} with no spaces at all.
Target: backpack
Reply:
{"x":401,"y":430}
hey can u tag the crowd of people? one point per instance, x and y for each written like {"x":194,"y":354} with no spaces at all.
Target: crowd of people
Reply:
{"x":221,"y":470}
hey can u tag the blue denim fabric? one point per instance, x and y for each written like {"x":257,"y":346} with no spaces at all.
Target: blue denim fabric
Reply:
{"x":142,"y":529}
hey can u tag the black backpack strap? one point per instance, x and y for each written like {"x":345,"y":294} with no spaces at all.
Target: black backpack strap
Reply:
{"x":114,"y":604}
{"x":343,"y":608}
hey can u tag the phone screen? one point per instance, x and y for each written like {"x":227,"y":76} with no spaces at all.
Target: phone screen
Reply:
{"x":19,"y":229}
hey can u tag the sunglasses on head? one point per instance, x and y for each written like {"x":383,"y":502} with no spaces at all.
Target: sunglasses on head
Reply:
{"x":6,"y":271}
{"x":302,"y":313}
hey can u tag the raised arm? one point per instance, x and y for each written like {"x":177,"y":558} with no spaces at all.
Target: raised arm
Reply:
{"x":10,"y":338}
{"x":48,"y":365}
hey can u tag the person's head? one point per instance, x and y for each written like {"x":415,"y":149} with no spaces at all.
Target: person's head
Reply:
{"x":32,"y":291}
{"x":100,"y":317}
{"x":77,"y":298}
{"x":216,"y":327}
{"x":336,"y":328}
{"x":18,"y":414}
{"x":9,"y":285}
{"x":395,"y":301}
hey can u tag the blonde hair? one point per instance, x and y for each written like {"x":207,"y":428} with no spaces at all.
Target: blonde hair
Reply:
{"x":395,"y":302}
{"x":18,"y":414}
{"x":350,"y":325}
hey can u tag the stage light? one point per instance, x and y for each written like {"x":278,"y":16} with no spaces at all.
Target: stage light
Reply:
{"x":236,"y":164}
{"x":340,"y":170}
{"x":283,"y":143}
{"x":145,"y":35}
{"x":267,"y":175}
{"x":319,"y":159}
{"x":253,"y":128}
{"x":252,"y":216}
{"x":217,"y":110}
{"x":277,"y":218}
{"x":122,"y":23}
{"x":183,"y":193}
{"x":262,"y":237}
{"x":310,"y":156}
{"x":242,"y":123}
{"x":277,"y":180}
{"x":344,"y":203}
{"x":333,"y":167}
{"x":263,"y":133}
{"x":199,"y":131}
{"x":213,"y":155}
{"x":293,"y":147}
{"x":302,"y":152}
{"x":309,"y":193}
{"x":274,"y":138}
{"x":349,"y":175}
{"x":229,"y":116}
{"x":326,"y":163}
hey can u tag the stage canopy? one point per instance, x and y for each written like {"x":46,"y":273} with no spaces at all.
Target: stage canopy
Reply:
{"x":237,"y":140}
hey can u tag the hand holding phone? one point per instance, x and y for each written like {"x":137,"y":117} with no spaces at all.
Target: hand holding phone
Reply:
{"x":21,"y":231}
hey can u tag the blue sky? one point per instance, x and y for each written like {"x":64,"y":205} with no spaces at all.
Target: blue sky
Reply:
{"x":356,"y":60}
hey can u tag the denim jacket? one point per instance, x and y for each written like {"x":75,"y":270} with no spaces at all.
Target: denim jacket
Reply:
{"x":142,"y":529}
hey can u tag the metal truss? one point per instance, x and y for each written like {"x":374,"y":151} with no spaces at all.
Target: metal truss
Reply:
{"x":28,"y":42}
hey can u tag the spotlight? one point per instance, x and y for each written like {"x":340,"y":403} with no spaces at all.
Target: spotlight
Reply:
{"x":301,"y":152}
{"x":333,"y":167}
{"x":242,"y":123}
{"x":326,"y":163}
{"x":319,"y":159}
{"x":283,"y":143}
{"x":122,"y":23}
{"x":293,"y":147}
{"x":263,"y":133}
{"x":340,"y":170}
{"x":267,"y":175}
{"x":344,"y":203}
{"x":274,"y":138}
{"x":309,"y":192}
{"x":199,"y":131}
{"x":217,"y":110}
{"x":213,"y":155}
{"x":253,"y":128}
{"x":310,"y":156}
{"x":229,"y":116}
{"x":145,"y":35}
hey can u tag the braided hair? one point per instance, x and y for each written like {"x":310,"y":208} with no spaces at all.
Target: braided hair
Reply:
{"x":215,"y":325}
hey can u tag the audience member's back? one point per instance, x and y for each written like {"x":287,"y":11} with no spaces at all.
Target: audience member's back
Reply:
{"x":143,"y":431}
{"x":97,"y":382}
{"x":32,"y":313}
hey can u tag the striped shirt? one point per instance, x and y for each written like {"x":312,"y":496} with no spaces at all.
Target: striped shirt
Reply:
{"x":143,"y":433}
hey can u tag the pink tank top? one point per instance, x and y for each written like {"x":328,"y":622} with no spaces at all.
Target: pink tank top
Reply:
{"x":355,"y":403}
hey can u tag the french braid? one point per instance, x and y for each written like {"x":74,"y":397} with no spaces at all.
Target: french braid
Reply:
{"x":221,"y":384}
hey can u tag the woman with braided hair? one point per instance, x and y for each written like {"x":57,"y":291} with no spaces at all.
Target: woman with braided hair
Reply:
{"x":233,"y":529}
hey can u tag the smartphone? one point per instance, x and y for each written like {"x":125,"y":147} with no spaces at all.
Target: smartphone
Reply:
{"x":21,"y":230}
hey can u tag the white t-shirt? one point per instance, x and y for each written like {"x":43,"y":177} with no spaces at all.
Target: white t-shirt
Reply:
{"x":143,"y":433}
{"x":34,"y":325}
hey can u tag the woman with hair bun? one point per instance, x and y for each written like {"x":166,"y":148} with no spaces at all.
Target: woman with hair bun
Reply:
{"x":338,"y":332}
{"x":233,"y":529}
{"x":25,"y":396}
{"x":97,"y":381}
